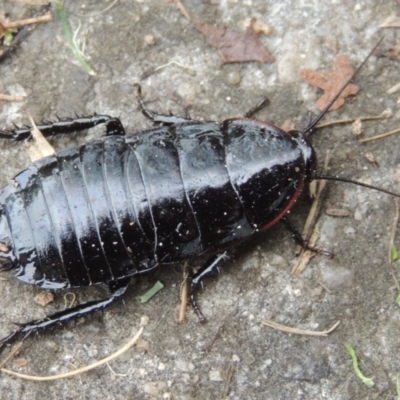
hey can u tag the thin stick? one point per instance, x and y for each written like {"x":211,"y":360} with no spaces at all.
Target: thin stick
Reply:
{"x":29,"y":21}
{"x":382,"y":135}
{"x":351,"y":120}
{"x":297,"y":331}
{"x":182,"y":9}
{"x":393,"y":230}
{"x":99,"y":12}
{"x":393,"y":89}
{"x":8,"y":97}
{"x":12,"y":353}
{"x":325,"y":287}
{"x":80,"y":370}
{"x":316,"y":206}
{"x":310,"y":224}
{"x":184,"y":294}
{"x":170,"y":63}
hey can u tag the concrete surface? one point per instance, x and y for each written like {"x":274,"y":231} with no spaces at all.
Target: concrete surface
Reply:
{"x":262,"y":363}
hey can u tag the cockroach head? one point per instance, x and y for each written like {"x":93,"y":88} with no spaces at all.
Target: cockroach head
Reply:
{"x":309,"y":155}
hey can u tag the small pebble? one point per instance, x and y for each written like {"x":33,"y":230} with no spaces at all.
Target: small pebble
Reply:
{"x":149,"y":40}
{"x":234,"y":78}
{"x":215,"y":375}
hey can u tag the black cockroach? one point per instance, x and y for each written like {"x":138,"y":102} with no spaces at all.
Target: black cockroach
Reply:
{"x":119,"y":207}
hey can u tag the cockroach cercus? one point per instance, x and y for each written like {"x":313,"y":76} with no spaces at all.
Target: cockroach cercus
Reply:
{"x":119,"y":207}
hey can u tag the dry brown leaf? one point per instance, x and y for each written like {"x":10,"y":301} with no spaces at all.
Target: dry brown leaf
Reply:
{"x":39,"y":147}
{"x":142,"y":346}
{"x":235,"y":46}
{"x":44,"y":298}
{"x":332,"y":82}
{"x":20,"y":362}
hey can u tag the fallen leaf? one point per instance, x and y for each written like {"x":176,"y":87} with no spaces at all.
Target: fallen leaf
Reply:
{"x":235,"y":46}
{"x":142,"y":346}
{"x":332,"y":82}
{"x":39,"y":147}
{"x":44,"y":298}
{"x":20,"y":362}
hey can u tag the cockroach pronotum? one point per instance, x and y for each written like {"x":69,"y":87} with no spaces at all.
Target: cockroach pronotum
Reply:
{"x":121,"y":206}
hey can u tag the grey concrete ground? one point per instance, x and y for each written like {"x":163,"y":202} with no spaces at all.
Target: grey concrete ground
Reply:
{"x":246,"y":360}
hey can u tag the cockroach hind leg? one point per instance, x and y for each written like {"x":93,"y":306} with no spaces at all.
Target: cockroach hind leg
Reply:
{"x":301,"y":242}
{"x":67,"y":126}
{"x":116,"y":290}
{"x":263,"y":103}
{"x":209,"y":268}
{"x":155,"y":117}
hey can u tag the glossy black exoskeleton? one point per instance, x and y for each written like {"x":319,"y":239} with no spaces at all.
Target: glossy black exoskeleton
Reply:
{"x":119,"y":207}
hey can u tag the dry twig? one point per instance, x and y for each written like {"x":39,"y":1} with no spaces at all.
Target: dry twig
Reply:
{"x":380,"y":136}
{"x":29,"y":21}
{"x":182,"y":9}
{"x":393,"y":230}
{"x":8,"y":97}
{"x":80,"y":370}
{"x":184,"y":293}
{"x":310,"y":231}
{"x":98,"y":13}
{"x":12,"y":353}
{"x":383,"y":115}
{"x":297,"y":331}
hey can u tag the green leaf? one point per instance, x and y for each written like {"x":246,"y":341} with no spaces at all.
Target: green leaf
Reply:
{"x":150,"y":293}
{"x":8,"y":37}
{"x":367,"y":381}
{"x":398,"y":299}
{"x":67,"y":29}
{"x":395,"y":254}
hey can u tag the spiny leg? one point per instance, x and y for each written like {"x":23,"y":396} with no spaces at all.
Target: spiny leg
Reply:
{"x":116,"y":290}
{"x":301,"y":242}
{"x":72,"y":125}
{"x":263,"y":103}
{"x":153,"y":116}
{"x":206,"y":270}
